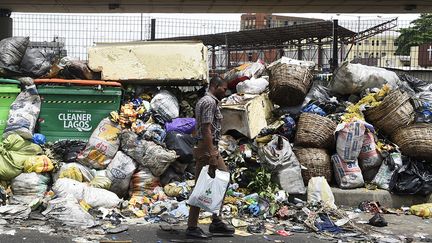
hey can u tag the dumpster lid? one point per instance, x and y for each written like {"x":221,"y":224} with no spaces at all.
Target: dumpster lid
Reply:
{"x":76,"y":82}
{"x":9,"y":81}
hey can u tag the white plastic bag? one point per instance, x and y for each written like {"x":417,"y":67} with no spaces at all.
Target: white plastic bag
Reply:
{"x":102,"y":145}
{"x":319,"y":190}
{"x":209,"y":192}
{"x":29,"y":186}
{"x":74,"y":171}
{"x":23,"y":113}
{"x":349,"y":140}
{"x":252,"y":86}
{"x":354,"y":78}
{"x":309,"y":64}
{"x":120,"y":172}
{"x":386,"y":171}
{"x":166,"y":105}
{"x":95,"y":197}
{"x":348,"y":174}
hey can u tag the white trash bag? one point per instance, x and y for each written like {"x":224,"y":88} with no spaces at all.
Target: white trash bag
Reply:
{"x":389,"y":166}
{"x":166,"y":105}
{"x":29,"y":186}
{"x":120,"y":172}
{"x":319,"y":190}
{"x":209,"y":192}
{"x":252,"y":86}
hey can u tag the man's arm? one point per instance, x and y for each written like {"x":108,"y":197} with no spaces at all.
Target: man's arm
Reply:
{"x":208,"y":142}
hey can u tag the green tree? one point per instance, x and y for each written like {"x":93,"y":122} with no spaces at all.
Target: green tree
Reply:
{"x":419,"y":32}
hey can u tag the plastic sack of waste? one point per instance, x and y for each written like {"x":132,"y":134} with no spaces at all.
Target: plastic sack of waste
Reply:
{"x":23,"y":113}
{"x":389,"y":166}
{"x":309,"y":64}
{"x":74,"y":171}
{"x":252,"y":86}
{"x":68,"y":150}
{"x":143,"y":182}
{"x":289,"y":127}
{"x":422,"y":210}
{"x":37,"y":62}
{"x":352,"y":78}
{"x":39,"y":139}
{"x":120,"y":171}
{"x":278,"y":156}
{"x":319,"y":190}
{"x":74,"y":69}
{"x":182,"y":144}
{"x":39,"y":164}
{"x":12,"y":50}
{"x":349,"y":140}
{"x":209,"y":192}
{"x":413,"y":177}
{"x":369,"y":158}
{"x":155,"y":132}
{"x":244,"y":72}
{"x":318,"y":93}
{"x":348,"y":174}
{"x":28,"y":187}
{"x":166,"y":105}
{"x":101,"y":180}
{"x":417,"y":84}
{"x":183,"y":125}
{"x":68,"y":211}
{"x":95,"y":197}
{"x":14,"y":151}
{"x":312,"y":108}
{"x":102,"y":145}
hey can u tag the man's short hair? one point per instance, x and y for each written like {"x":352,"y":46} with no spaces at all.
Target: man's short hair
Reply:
{"x":217,"y":81}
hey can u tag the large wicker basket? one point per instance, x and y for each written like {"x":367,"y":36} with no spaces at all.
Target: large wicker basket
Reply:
{"x":394,"y":112}
{"x":289,"y":84}
{"x":317,"y":162}
{"x":415,"y":141}
{"x":315,"y":131}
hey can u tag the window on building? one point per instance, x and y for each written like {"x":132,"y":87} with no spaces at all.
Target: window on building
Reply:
{"x":286,"y":23}
{"x":383,"y":54}
{"x":359,"y":43}
{"x":377,"y":42}
{"x":294,"y":23}
{"x":366,"y":42}
{"x":383,"y":42}
{"x":366,"y":54}
{"x":371,"y":55}
{"x":253,"y":24}
{"x":373,"y":42}
{"x":377,"y":55}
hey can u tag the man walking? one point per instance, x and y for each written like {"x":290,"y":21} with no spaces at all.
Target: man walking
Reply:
{"x":209,"y":117}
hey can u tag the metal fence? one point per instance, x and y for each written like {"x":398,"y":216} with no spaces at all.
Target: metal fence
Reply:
{"x":375,"y":43}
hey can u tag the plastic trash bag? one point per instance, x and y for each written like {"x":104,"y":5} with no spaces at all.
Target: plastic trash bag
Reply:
{"x":422,"y":210}
{"x":102,"y":145}
{"x":74,"y":69}
{"x":68,"y":150}
{"x":416,"y":84}
{"x":312,"y":108}
{"x":39,"y":139}
{"x":69,"y":211}
{"x":74,"y":171}
{"x":354,"y":78}
{"x":166,"y":105}
{"x":319,"y":190}
{"x":278,"y":156}
{"x":120,"y":171}
{"x":413,"y":177}
{"x":14,"y":151}
{"x":142,"y":183}
{"x":349,"y":140}
{"x":39,"y":164}
{"x":155,"y":133}
{"x":389,"y":166}
{"x":95,"y":197}
{"x":182,"y":144}
{"x":183,"y":125}
{"x":252,"y":86}
{"x":29,"y":186}
{"x":244,"y":72}
{"x":23,"y":113}
{"x":209,"y":192}
{"x":101,"y":180}
{"x":37,"y":62}
{"x":348,"y":174}
{"x":12,"y":51}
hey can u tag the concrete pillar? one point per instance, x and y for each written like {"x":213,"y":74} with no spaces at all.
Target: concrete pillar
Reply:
{"x":5,"y":24}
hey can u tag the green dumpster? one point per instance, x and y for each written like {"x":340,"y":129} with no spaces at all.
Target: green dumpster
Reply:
{"x":9,"y":90}
{"x":73,"y":112}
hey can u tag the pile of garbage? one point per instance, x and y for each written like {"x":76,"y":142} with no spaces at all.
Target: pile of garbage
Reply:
{"x":368,"y":128}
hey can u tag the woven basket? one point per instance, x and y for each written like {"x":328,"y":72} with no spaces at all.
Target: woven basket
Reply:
{"x":317,"y":162}
{"x":315,"y":131}
{"x":394,"y":112}
{"x":289,"y":84}
{"x":415,"y":141}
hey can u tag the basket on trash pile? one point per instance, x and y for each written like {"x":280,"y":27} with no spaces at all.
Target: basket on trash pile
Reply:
{"x":394,"y":112}
{"x":289,"y":84}
{"x":415,"y":140}
{"x":315,"y":131}
{"x":317,"y":161}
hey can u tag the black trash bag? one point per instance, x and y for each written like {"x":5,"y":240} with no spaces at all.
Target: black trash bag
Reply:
{"x":378,"y":221}
{"x":182,"y":144}
{"x":68,"y":150}
{"x":12,"y":51}
{"x":37,"y":62}
{"x":416,"y":84}
{"x":413,"y":177}
{"x":74,"y":69}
